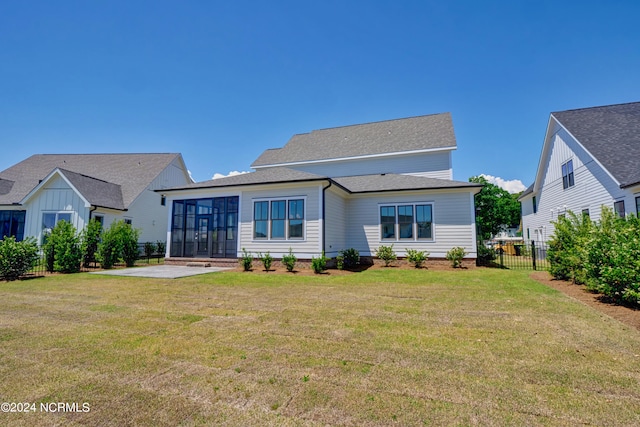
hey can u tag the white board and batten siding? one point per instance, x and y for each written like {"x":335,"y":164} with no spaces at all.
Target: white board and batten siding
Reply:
{"x":453,"y":222}
{"x":336,"y":221}
{"x":305,"y":248}
{"x":432,"y":165}
{"x":593,"y":188}
{"x":55,"y":196}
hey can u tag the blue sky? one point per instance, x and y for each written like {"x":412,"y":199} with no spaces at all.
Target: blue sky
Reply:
{"x":220,"y":82}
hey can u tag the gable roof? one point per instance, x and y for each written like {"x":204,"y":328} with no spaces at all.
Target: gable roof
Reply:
{"x":413,"y":134}
{"x":351,"y":184}
{"x":95,"y":175}
{"x":611,"y":134}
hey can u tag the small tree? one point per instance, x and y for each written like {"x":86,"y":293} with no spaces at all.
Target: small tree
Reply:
{"x":119,"y":243}
{"x":17,"y":258}
{"x":62,"y":249}
{"x":387,"y":254}
{"x":90,"y":239}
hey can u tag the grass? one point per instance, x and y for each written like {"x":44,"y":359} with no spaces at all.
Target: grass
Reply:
{"x":381,"y":347}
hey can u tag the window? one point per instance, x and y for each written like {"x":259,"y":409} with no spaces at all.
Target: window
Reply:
{"x":50,"y":219}
{"x":618,"y":207}
{"x":567,"y":175}
{"x":585,"y":212}
{"x":535,"y":204}
{"x":127,"y":221}
{"x":12,"y":224}
{"x":278,"y":219}
{"x":413,"y":221}
{"x":163,"y":200}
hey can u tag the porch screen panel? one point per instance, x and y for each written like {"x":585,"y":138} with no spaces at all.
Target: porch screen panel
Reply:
{"x":177,"y":228}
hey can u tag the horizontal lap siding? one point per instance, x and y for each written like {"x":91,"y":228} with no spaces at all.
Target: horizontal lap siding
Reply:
{"x":453,"y":223}
{"x":335,"y":227}
{"x":307,"y":248}
{"x":593,"y":188}
{"x":434,"y":165}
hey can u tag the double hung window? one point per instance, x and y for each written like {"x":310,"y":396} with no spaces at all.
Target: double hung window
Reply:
{"x":567,"y":175}
{"x":281,"y":219}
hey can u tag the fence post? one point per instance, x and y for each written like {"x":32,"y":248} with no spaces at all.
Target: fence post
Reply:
{"x":533,"y":254}
{"x":501,"y":243}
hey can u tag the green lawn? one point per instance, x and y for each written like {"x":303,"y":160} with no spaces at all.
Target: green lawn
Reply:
{"x":381,"y":347}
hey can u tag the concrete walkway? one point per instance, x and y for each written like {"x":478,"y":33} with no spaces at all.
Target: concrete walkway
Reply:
{"x":161,"y":271}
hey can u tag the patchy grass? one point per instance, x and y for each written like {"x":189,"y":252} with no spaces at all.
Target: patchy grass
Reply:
{"x":381,"y":347}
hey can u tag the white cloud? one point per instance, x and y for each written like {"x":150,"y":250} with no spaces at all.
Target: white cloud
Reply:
{"x":512,"y":186}
{"x":232,"y":173}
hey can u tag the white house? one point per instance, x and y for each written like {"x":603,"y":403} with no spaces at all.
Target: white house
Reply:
{"x":45,"y":188}
{"x":357,"y":186}
{"x":590,"y":158}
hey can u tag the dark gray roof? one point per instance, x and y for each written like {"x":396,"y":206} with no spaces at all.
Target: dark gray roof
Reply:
{"x":611,"y":134}
{"x":351,"y":184}
{"x":263,"y":176}
{"x":132,"y":172}
{"x":396,"y":182}
{"x":391,"y":136}
{"x":5,"y":186}
{"x":97,"y":192}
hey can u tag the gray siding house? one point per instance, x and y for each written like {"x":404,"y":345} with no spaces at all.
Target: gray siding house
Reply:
{"x":357,"y":186}
{"x":590,"y":158}
{"x":45,"y":188}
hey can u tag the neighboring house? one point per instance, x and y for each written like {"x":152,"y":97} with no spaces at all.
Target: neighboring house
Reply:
{"x":360,"y":186}
{"x":45,"y":188}
{"x":590,"y":158}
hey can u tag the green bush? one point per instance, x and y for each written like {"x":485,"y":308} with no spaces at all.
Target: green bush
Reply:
{"x":119,"y":244}
{"x":90,"y":238}
{"x":456,"y":255}
{"x":161,"y":248}
{"x":416,"y":257}
{"x":63,"y":250}
{"x":149,"y":249}
{"x":350,"y":258}
{"x":486,"y":255}
{"x":318,"y":265}
{"x":266,"y":259}
{"x":246,"y":260}
{"x":568,"y":245}
{"x":289,"y":260}
{"x":17,"y":258}
{"x":386,"y":254}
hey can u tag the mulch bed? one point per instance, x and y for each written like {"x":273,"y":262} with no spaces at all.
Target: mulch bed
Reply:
{"x":627,"y":315}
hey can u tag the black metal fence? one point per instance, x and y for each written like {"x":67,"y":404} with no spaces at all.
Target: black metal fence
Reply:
{"x":143,"y":258}
{"x":518,"y":255}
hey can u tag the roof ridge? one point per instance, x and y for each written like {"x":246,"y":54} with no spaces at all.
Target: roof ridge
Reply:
{"x":374,"y":122}
{"x":596,"y":107}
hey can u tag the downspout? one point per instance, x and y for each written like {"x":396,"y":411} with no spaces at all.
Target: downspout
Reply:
{"x":93,"y":208}
{"x":324,"y":222}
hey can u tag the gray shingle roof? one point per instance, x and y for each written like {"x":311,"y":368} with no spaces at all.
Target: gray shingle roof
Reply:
{"x":391,"y":136}
{"x":97,"y":192}
{"x":396,"y":182}
{"x":352,"y":184}
{"x":132,"y":172}
{"x":611,"y":134}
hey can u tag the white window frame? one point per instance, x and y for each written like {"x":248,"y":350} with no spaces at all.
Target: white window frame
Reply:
{"x":570,"y":176}
{"x":287,"y":234}
{"x":414,"y":237}
{"x":45,"y":231}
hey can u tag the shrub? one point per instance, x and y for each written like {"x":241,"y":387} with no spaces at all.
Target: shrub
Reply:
{"x":119,"y":243}
{"x":416,"y":257}
{"x":386,"y":254}
{"x":63,"y":251}
{"x":456,"y":255}
{"x":90,"y":239}
{"x":350,"y":258}
{"x":340,"y":262}
{"x":486,"y":255}
{"x":568,"y":252}
{"x":246,"y":260}
{"x":266,"y":259}
{"x":17,"y":258}
{"x":149,"y":249}
{"x":289,"y":260}
{"x":161,"y":247}
{"x":318,"y":265}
